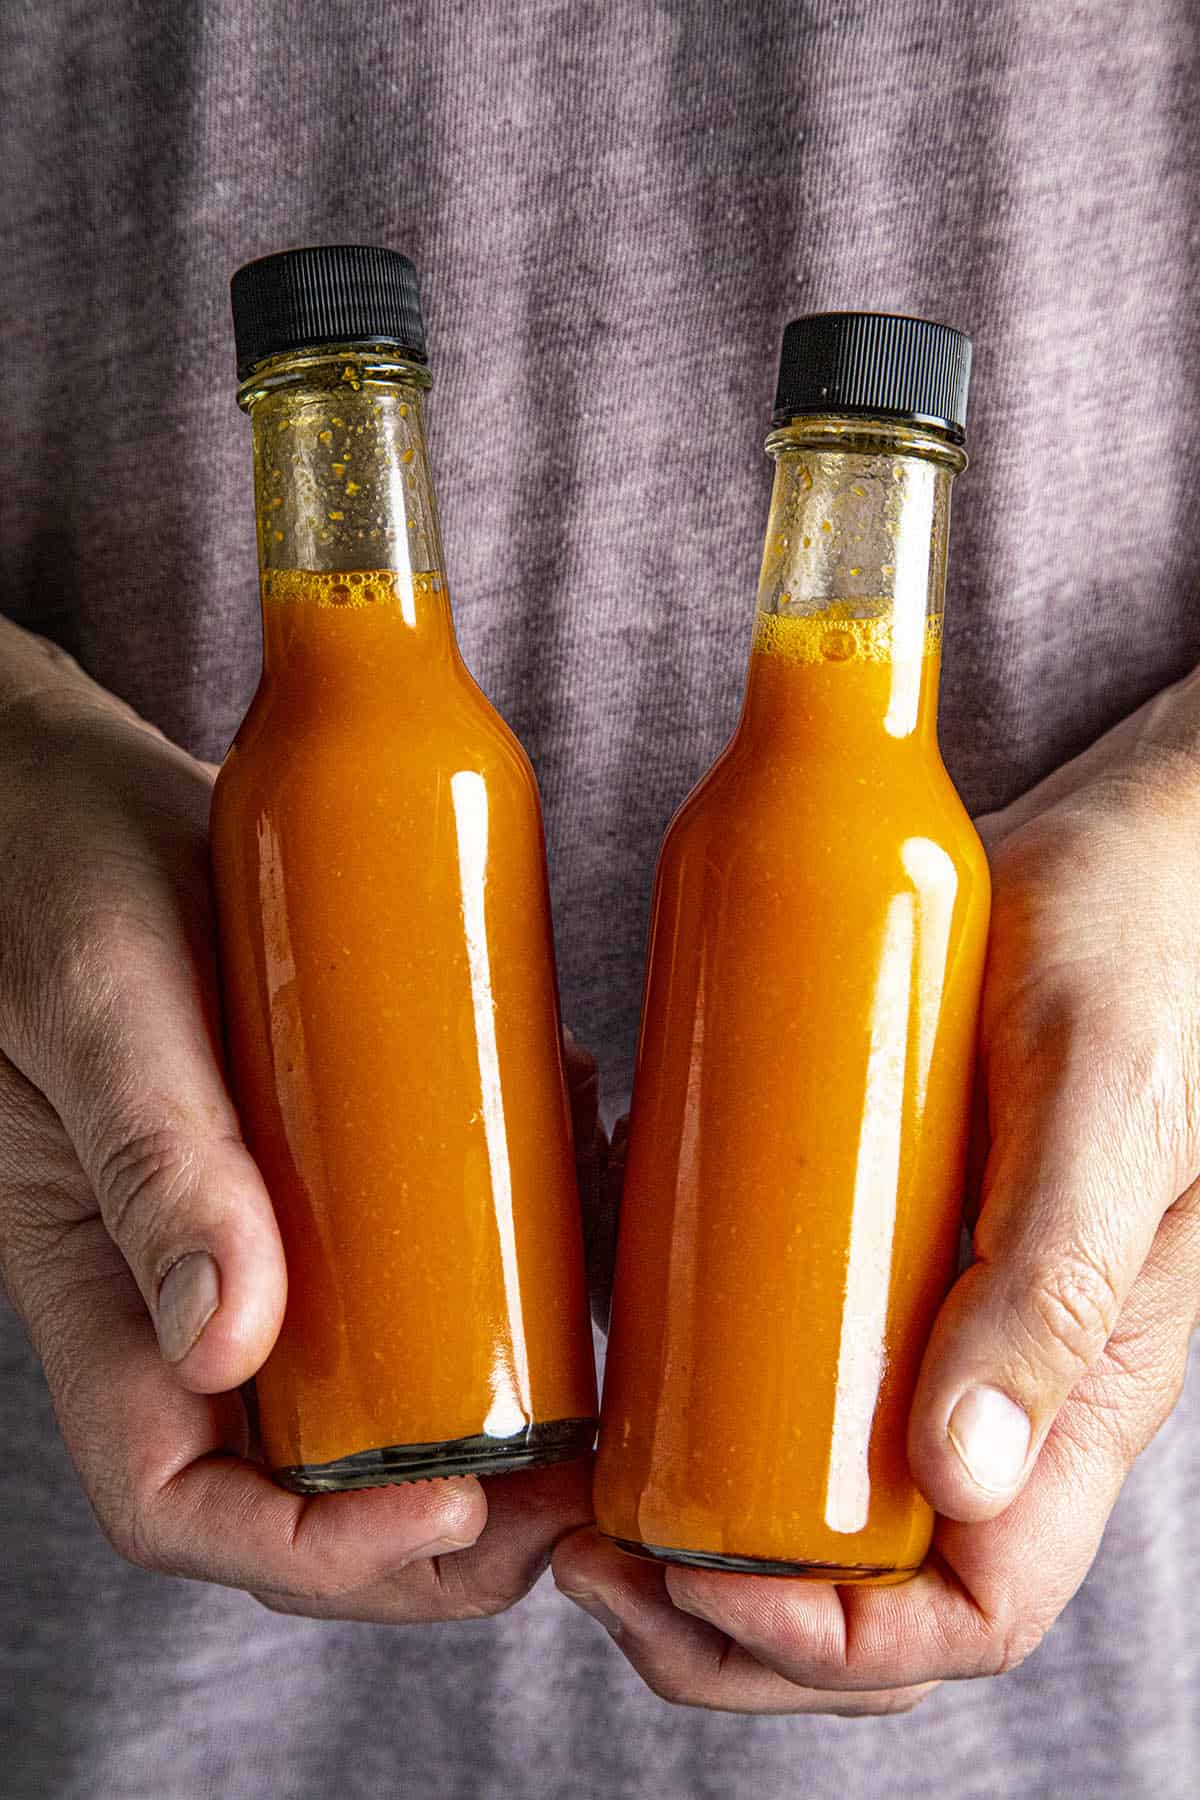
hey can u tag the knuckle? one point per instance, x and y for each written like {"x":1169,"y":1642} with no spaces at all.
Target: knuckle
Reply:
{"x":134,"y":1536}
{"x":480,"y":1605}
{"x":140,"y":1183}
{"x":1131,"y":1393}
{"x":887,"y":1703}
{"x":669,"y":1685}
{"x":468,"y":1594}
{"x":315,"y":1599}
{"x":1074,"y":1309}
{"x":94,"y":920}
{"x":1012,"y":1641}
{"x":87,"y":943}
{"x":1137,"y":1362}
{"x":118,"y":1534}
{"x":280,"y":1604}
{"x":907,"y":1700}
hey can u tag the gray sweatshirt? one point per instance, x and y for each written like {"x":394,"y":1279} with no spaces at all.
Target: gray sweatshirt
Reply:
{"x":615,"y":208}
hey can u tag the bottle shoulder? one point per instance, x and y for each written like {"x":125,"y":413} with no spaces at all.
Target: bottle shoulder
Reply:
{"x":824,"y":816}
{"x":420,"y":738}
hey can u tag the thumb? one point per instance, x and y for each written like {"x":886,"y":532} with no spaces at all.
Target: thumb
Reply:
{"x":1075,"y":1186}
{"x":144,"y":1103}
{"x":123,"y":1041}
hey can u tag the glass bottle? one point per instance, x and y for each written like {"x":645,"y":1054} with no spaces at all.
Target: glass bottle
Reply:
{"x":387,"y":957}
{"x":793,"y":1181}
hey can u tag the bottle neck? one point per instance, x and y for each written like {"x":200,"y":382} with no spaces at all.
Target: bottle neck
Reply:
{"x":851,"y":595}
{"x":349,"y":543}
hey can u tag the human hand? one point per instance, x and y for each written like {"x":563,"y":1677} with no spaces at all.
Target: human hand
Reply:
{"x":1071,"y":1327}
{"x":129,"y":1204}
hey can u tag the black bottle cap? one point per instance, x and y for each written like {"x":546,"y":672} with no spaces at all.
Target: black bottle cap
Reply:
{"x":881,"y":363}
{"x":328,"y":294}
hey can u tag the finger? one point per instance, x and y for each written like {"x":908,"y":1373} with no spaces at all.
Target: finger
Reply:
{"x":984,"y":1599}
{"x":1125,"y":1398}
{"x":164,"y":1468}
{"x":111,"y":1012}
{"x":990,"y":1590}
{"x":528,"y":1512}
{"x":681,"y":1658}
{"x":1074,"y":1190}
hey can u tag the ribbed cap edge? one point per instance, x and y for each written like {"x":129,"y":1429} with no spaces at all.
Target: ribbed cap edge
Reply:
{"x":325,"y":294}
{"x":881,"y":363}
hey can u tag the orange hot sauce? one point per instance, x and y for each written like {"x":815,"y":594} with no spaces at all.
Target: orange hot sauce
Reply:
{"x":793,"y":1182}
{"x":388,"y":976}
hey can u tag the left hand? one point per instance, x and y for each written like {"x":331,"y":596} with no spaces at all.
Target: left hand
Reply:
{"x":1062,"y":1349}
{"x":121,"y":1163}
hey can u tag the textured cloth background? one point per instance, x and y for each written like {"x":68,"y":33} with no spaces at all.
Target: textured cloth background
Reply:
{"x":615,"y":208}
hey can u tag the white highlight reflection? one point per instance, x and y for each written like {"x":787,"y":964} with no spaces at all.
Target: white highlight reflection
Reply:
{"x":510,"y":1409}
{"x":933,"y":875}
{"x":872,"y":1226}
{"x":911,"y":598}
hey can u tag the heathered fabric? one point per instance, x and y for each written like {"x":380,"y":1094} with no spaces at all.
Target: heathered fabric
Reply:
{"x":615,"y":208}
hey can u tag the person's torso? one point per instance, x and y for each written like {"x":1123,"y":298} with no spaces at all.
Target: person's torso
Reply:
{"x":614,"y":211}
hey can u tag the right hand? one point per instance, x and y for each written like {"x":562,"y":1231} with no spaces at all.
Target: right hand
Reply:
{"x":137,"y":1241}
{"x":1072,"y":1324}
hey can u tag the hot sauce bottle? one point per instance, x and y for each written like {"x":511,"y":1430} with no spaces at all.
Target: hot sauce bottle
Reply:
{"x":387,"y":957}
{"x":792,"y":1193}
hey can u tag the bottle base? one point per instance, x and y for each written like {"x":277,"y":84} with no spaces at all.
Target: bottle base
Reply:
{"x":557,"y":1440}
{"x":845,"y":1574}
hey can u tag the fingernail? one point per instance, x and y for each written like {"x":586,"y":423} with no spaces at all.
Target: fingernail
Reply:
{"x":991,"y":1435}
{"x":593,"y":1605}
{"x":187,"y":1300}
